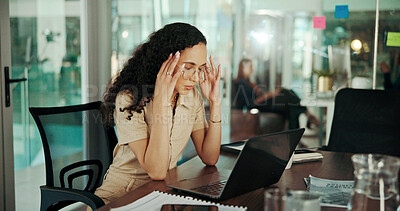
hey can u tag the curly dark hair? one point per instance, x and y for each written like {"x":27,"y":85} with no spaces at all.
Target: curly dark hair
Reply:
{"x":138,"y":76}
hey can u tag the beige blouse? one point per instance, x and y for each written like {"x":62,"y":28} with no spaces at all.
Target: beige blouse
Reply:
{"x":126,"y":173}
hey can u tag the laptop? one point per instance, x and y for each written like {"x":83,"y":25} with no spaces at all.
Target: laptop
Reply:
{"x":260,"y":163}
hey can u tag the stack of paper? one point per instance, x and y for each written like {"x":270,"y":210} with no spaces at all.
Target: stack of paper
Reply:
{"x":307,"y":157}
{"x":154,"y":200}
{"x":334,"y":193}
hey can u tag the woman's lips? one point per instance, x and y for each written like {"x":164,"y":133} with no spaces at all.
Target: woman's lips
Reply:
{"x":189,"y":87}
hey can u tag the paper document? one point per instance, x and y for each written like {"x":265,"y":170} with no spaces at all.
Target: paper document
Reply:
{"x":236,"y":147}
{"x":334,"y":193}
{"x":307,"y":157}
{"x":154,"y":201}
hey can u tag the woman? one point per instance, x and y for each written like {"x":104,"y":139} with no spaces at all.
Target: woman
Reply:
{"x":248,"y":95}
{"x":156,"y":108}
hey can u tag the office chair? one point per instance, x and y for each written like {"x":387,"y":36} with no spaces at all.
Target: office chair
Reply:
{"x":77,"y":151}
{"x":366,"y":121}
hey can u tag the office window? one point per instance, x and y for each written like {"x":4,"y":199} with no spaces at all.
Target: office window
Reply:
{"x":286,"y":47}
{"x":132,"y":22}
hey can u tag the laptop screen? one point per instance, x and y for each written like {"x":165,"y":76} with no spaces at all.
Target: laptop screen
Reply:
{"x":263,"y":160}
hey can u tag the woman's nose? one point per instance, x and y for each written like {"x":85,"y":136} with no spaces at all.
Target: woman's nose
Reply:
{"x":195,"y":77}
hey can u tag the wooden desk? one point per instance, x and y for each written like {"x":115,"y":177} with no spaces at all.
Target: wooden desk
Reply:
{"x":333,"y":166}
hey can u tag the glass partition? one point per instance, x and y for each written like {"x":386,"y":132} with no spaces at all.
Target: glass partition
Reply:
{"x":45,"y":48}
{"x":291,"y":44}
{"x":287,"y":45}
{"x":388,"y":57}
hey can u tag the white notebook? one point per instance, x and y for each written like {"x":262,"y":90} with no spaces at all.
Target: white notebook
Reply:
{"x":154,"y":200}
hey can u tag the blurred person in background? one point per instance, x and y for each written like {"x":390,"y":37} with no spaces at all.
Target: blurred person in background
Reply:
{"x":247,"y":95}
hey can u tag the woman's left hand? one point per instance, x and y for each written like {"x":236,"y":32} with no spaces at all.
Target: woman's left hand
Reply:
{"x":210,"y":85}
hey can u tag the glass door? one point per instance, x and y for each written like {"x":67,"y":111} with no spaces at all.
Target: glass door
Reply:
{"x":45,"y":49}
{"x":7,"y":201}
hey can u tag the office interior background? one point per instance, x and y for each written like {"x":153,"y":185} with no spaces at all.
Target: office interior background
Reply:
{"x":69,"y":49}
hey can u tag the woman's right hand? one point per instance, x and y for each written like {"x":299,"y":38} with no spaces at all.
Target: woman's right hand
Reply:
{"x":166,"y":79}
{"x":153,"y":152}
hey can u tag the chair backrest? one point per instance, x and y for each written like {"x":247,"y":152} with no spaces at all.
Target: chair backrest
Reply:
{"x":77,"y":147}
{"x":366,"y":121}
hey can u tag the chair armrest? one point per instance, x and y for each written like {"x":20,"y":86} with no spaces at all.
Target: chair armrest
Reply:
{"x":56,"y":194}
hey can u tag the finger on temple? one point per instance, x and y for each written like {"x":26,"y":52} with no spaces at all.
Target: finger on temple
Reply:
{"x":180,"y":68}
{"x":177,"y":72}
{"x":205,"y":78}
{"x":208,"y":69}
{"x":219,"y":71}
{"x":212,"y":65}
{"x":173,"y":61}
{"x":164,"y":64}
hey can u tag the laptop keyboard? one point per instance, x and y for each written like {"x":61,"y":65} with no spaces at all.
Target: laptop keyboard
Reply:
{"x":211,"y":189}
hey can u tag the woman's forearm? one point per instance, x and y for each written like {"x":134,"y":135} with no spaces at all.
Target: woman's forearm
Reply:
{"x":263,"y":98}
{"x":266,"y":96}
{"x":157,"y":152}
{"x":212,"y":142}
{"x":156,"y":159}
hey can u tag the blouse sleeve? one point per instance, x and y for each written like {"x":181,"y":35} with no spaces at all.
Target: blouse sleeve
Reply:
{"x":131,"y":128}
{"x":200,"y":121}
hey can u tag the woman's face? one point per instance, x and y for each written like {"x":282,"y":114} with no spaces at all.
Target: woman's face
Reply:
{"x":194,"y":57}
{"x":247,"y":69}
